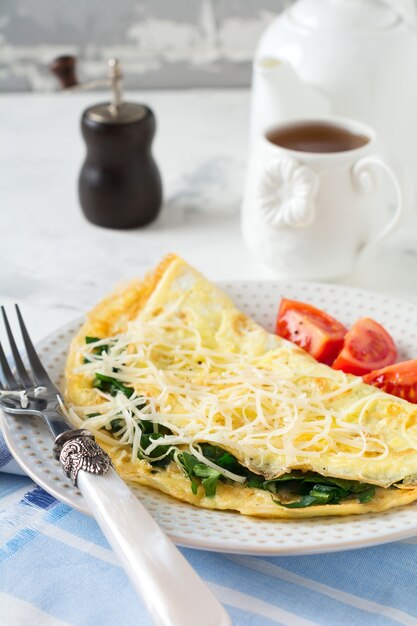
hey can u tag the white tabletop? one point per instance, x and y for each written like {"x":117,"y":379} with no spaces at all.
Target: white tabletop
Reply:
{"x":57,"y":265}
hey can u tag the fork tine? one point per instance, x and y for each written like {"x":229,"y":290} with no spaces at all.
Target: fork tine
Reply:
{"x":7,"y":372}
{"x":21,"y":370}
{"x":39,"y":373}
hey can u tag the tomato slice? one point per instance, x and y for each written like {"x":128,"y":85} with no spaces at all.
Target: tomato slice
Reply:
{"x":312,"y":329}
{"x":367,"y":347}
{"x":399,"y":380}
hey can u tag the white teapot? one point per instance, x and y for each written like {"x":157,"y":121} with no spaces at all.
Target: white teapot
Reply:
{"x":355,"y":58}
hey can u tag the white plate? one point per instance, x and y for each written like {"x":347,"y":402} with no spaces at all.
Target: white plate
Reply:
{"x":30,"y":441}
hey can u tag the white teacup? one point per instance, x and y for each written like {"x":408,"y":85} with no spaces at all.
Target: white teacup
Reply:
{"x":314,"y":188}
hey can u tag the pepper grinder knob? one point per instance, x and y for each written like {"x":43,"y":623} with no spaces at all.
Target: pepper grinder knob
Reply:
{"x":115,"y":76}
{"x":63,"y":68}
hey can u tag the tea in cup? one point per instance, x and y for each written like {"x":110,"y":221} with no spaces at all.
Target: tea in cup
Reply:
{"x":311,"y":191}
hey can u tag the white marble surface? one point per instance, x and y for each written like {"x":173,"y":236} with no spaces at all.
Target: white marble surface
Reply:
{"x":57,"y":265}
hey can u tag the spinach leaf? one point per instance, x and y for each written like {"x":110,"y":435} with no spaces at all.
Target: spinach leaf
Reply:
{"x":327,"y":494}
{"x":92,"y":339}
{"x":309,"y":485}
{"x":311,"y":488}
{"x":148,"y":427}
{"x":150,"y":431}
{"x":325,"y":490}
{"x":223,"y":459}
{"x":257,"y":482}
{"x":194,"y":469}
{"x":359,"y":487}
{"x":117,"y":424}
{"x":311,"y":477}
{"x":210,"y":478}
{"x":145,"y":442}
{"x":188,"y":462}
{"x":97,"y":349}
{"x":111,"y":385}
{"x":299,"y":504}
{"x":367,"y":494}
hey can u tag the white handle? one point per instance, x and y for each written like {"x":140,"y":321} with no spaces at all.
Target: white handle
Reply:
{"x":362,"y":177}
{"x":171,"y":590}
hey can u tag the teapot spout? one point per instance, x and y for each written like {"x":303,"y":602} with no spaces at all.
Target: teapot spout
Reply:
{"x":279,"y":95}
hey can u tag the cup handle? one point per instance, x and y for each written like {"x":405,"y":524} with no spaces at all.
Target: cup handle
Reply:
{"x":364,"y":181}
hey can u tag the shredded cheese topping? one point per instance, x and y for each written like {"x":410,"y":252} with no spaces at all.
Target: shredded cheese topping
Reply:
{"x":255,"y":406}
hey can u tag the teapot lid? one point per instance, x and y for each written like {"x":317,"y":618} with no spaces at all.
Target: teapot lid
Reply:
{"x":358,"y":15}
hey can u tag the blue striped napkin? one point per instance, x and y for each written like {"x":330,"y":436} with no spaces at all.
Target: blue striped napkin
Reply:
{"x":56,"y":569}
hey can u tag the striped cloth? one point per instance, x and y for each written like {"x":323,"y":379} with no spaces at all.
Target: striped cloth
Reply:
{"x":57,"y":569}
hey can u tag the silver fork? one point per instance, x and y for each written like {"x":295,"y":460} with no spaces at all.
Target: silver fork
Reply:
{"x":171,"y":590}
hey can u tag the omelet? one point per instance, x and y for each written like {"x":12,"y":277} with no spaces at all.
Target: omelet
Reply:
{"x":190,"y":396}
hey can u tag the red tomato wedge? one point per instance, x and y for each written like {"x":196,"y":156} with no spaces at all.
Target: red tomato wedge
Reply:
{"x":310,"y":328}
{"x":399,"y":380}
{"x":367,"y":346}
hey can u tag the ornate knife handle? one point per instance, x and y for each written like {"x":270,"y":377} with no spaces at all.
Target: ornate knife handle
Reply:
{"x":77,"y":450}
{"x":171,"y":590}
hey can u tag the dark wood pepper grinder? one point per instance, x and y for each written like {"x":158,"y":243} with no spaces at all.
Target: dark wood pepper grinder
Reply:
{"x":119,"y":184}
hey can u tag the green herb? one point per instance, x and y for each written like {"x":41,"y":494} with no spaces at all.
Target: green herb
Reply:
{"x":299,"y":504}
{"x":147,"y":427}
{"x":315,"y":490}
{"x":162,"y":450}
{"x":257,"y":482}
{"x":195,"y":469}
{"x":210,"y":478}
{"x":111,"y":385}
{"x":97,"y":349}
{"x":328,"y":494}
{"x":223,"y":459}
{"x":117,"y":424}
{"x":310,"y":488}
{"x":149,"y":430}
{"x":114,"y":425}
{"x":92,"y":339}
{"x":188,"y":462}
{"x":367,"y":494}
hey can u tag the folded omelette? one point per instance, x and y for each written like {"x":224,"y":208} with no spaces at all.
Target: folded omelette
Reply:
{"x":190,"y":396}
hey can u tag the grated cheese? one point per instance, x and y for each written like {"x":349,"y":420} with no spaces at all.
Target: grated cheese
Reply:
{"x":255,"y":406}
